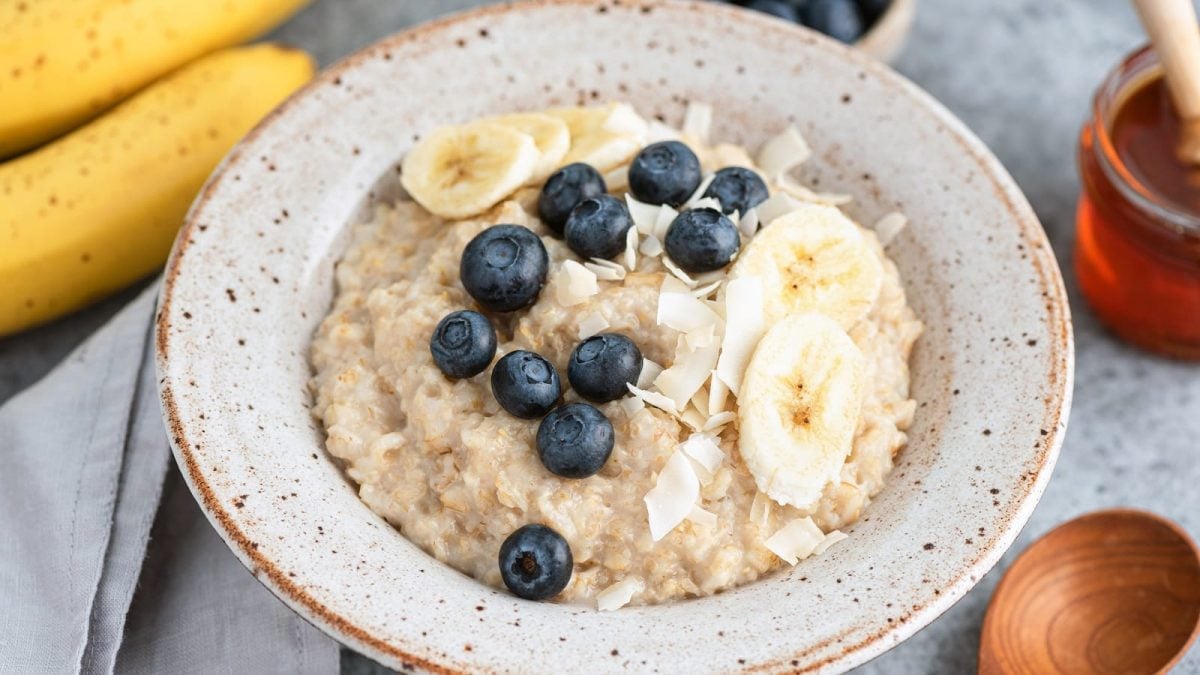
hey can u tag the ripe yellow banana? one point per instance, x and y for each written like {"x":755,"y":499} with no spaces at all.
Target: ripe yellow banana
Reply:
{"x":63,"y":62}
{"x":98,"y":209}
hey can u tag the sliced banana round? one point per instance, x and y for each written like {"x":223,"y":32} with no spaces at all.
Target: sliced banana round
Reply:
{"x":462,"y":171}
{"x":813,"y":259}
{"x":602,"y":136}
{"x":799,"y":409}
{"x":550,"y":134}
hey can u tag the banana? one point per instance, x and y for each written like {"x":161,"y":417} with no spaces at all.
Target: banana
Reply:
{"x":98,"y":209}
{"x":799,"y":408}
{"x":602,"y":136}
{"x":550,"y":135}
{"x":813,"y":259}
{"x":63,"y":62}
{"x":462,"y":171}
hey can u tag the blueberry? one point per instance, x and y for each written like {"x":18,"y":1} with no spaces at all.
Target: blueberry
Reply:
{"x":873,"y":9}
{"x":575,"y":440}
{"x":702,"y":240}
{"x":602,"y":365}
{"x":504,"y":267}
{"x":777,"y":8}
{"x":564,"y":190}
{"x":535,"y":562}
{"x":737,"y":189}
{"x":597,"y":227}
{"x":525,"y":384}
{"x":664,"y":173}
{"x":463,"y":344}
{"x":839,"y":19}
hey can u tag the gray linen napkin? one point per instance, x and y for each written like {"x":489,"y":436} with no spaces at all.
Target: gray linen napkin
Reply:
{"x":83,"y":462}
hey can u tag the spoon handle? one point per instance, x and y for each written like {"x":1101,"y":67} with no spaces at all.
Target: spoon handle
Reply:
{"x":1171,"y":25}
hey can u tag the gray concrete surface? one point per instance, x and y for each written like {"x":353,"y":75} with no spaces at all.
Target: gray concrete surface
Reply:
{"x":1020,"y":73}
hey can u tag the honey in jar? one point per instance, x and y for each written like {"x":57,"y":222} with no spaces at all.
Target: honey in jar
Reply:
{"x":1137,"y":252}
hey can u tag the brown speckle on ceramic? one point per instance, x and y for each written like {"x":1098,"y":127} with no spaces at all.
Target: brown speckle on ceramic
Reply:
{"x":997,"y":355}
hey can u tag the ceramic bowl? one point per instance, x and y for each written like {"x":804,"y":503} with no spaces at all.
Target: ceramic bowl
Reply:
{"x":252,"y":275}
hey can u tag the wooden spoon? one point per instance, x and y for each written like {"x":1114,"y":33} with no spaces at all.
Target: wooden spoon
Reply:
{"x":1171,"y":25}
{"x":1109,"y":592}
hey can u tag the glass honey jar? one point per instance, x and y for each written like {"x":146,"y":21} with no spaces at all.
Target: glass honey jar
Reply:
{"x":1137,"y":251}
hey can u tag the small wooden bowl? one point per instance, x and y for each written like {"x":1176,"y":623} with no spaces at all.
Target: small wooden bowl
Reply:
{"x":888,"y":34}
{"x":1114,"y":591}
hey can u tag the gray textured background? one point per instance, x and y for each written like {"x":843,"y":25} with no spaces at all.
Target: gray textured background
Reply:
{"x":1020,"y":73}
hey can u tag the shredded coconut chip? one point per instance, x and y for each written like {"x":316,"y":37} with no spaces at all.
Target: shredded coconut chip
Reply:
{"x":760,"y":510}
{"x":718,"y":393}
{"x":698,"y":338}
{"x":745,"y":324}
{"x":678,"y":273}
{"x":644,"y":215}
{"x":662,"y":221}
{"x":796,"y":541}
{"x":651,"y":246}
{"x":631,"y":245}
{"x":700,"y":190}
{"x":706,"y":203}
{"x":778,"y":204}
{"x":718,"y":420}
{"x":704,"y":449}
{"x":684,"y":313}
{"x":632,"y":405}
{"x":654,"y":398}
{"x":576,"y":283}
{"x":619,"y":594}
{"x":748,"y":224}
{"x":783,"y":152}
{"x":650,"y":370}
{"x":706,"y":290}
{"x":889,"y":226}
{"x":829,"y":540}
{"x":618,"y":178}
{"x":693,"y":419}
{"x":658,"y":131}
{"x":625,"y":121}
{"x":592,"y":324}
{"x":675,"y":493}
{"x":606,"y":270}
{"x":697,"y":121}
{"x":686,"y":375}
{"x":702,"y":517}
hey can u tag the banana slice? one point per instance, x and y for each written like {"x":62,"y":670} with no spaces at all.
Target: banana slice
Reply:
{"x":461,"y":171}
{"x":602,"y":136}
{"x":813,"y":259}
{"x":799,"y":408}
{"x":550,"y":134}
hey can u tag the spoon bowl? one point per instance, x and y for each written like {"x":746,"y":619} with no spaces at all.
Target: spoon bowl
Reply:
{"x":1114,"y":591}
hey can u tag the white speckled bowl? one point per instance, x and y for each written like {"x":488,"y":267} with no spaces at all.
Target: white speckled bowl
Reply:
{"x":251,"y":276}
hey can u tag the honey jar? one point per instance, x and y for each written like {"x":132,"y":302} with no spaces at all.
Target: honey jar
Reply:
{"x":1137,"y":251}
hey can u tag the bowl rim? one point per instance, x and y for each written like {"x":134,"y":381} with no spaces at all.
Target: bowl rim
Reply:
{"x":338,"y":627}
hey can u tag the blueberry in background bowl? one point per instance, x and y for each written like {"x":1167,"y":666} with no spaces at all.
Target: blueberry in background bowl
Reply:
{"x":597,"y":227}
{"x":839,"y":19}
{"x":504,"y":267}
{"x":463,"y":344}
{"x":602,"y":367}
{"x":525,"y":384}
{"x":575,"y":440}
{"x":564,"y":190}
{"x":667,"y":172}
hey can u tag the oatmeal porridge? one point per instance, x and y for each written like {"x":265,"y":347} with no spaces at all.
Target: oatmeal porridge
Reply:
{"x":756,"y":337}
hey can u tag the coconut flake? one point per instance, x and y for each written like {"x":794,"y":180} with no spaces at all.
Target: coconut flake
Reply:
{"x":619,"y":594}
{"x":575,"y":284}
{"x":673,"y":285}
{"x":702,"y":517}
{"x":687,"y":374}
{"x":889,"y":226}
{"x":697,"y":121}
{"x":675,"y":493}
{"x":606,"y":270}
{"x":651,"y":246}
{"x":677,"y":272}
{"x":700,"y":401}
{"x":718,"y":393}
{"x":700,"y":190}
{"x":654,"y":398}
{"x":706,"y":203}
{"x":650,"y":370}
{"x":783,"y":152}
{"x":662,"y":221}
{"x":704,"y":449}
{"x":830,"y":539}
{"x":617,"y":179}
{"x":632,"y":405}
{"x":778,"y":204}
{"x":693,"y":419}
{"x":796,"y":541}
{"x":718,"y":420}
{"x":803,"y":193}
{"x":748,"y":224}
{"x":643,"y":215}
{"x":706,"y":290}
{"x":657,"y":131}
{"x":684,"y":313}
{"x":631,"y":245}
{"x":760,"y":510}
{"x":745,"y":324}
{"x":700,"y":337}
{"x":624,"y":121}
{"x":592,"y":324}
